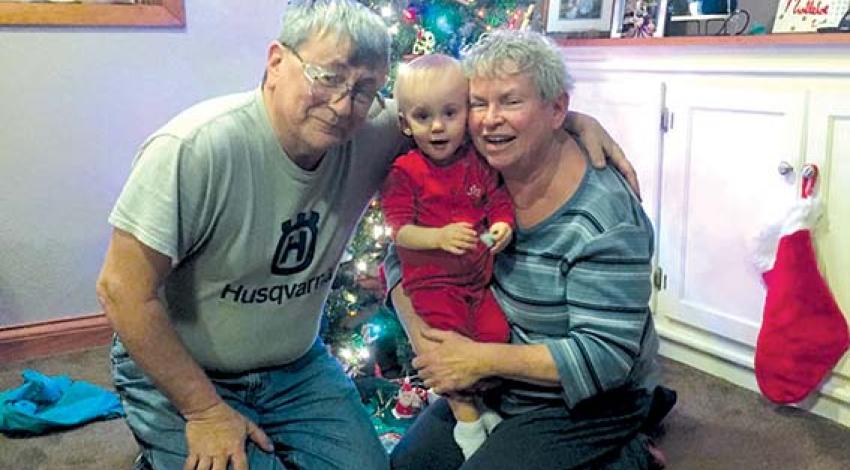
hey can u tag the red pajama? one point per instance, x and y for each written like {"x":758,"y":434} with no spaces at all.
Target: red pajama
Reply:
{"x":448,"y":291}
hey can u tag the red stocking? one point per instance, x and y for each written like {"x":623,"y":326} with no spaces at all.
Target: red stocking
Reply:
{"x":803,"y":333}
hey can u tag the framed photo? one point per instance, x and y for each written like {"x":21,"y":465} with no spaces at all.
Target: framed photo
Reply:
{"x":797,"y":16}
{"x":578,"y":16}
{"x":639,"y":18}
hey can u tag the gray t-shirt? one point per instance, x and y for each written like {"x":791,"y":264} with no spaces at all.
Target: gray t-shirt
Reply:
{"x":254,"y":239}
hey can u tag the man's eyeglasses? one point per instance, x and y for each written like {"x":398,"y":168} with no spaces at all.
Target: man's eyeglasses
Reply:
{"x":332,"y":86}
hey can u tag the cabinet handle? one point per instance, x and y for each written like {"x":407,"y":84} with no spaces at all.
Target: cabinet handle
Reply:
{"x":809,"y":171}
{"x":785,"y":168}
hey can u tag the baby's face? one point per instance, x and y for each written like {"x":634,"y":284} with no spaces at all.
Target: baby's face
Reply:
{"x":436,"y":114}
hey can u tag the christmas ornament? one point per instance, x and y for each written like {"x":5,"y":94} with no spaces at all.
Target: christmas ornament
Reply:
{"x":410,"y":400}
{"x":803,"y":332}
{"x":378,"y":396}
{"x":425,"y":42}
{"x":409,"y":15}
{"x":526,"y":19}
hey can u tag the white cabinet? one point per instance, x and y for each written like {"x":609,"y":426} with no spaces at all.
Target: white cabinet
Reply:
{"x":829,"y":147}
{"x":712,"y":181}
{"x":719,"y":179}
{"x":720,"y":185}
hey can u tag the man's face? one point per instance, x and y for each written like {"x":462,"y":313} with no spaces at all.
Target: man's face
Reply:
{"x":309,"y":94}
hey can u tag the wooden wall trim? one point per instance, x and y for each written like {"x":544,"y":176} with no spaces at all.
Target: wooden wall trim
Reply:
{"x":163,"y":13}
{"x":21,"y":342}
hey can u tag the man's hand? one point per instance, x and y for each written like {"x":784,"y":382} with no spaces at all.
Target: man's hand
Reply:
{"x":501,"y":233}
{"x":216,"y":438}
{"x":601,"y":146}
{"x":454,"y":363}
{"x":456,"y":238}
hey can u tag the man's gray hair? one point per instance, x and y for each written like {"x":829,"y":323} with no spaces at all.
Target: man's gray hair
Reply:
{"x":342,"y":19}
{"x":510,"y":52}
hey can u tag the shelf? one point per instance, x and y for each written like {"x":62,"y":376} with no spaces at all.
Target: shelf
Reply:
{"x":790,"y":39}
{"x":674,"y":19}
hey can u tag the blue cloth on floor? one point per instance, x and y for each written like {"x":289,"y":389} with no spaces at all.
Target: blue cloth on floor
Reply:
{"x":46,"y":403}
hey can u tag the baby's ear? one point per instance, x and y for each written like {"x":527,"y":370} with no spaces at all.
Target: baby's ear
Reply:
{"x":402,"y":123}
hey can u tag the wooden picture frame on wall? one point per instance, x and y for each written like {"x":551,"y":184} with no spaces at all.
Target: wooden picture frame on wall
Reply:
{"x":152,"y":13}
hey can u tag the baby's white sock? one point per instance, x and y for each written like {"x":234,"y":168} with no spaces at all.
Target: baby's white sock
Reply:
{"x":490,"y":419}
{"x":470,"y":436}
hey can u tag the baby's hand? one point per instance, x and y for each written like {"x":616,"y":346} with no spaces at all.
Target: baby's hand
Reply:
{"x":456,"y":238}
{"x":501,"y":234}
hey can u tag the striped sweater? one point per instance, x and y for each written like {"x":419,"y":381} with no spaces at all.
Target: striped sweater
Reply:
{"x":579,"y":282}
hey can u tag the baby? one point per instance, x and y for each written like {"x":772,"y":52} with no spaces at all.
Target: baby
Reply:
{"x":449,"y":216}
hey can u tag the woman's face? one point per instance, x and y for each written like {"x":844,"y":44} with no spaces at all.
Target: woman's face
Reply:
{"x":509,"y":121}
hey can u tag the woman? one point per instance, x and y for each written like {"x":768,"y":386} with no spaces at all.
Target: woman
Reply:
{"x":574,"y":285}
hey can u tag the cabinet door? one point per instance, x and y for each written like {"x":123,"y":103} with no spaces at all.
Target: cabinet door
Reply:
{"x":721,"y":185}
{"x":630,"y":110}
{"x":829,"y":147}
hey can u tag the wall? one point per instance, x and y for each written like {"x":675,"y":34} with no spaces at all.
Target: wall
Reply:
{"x":75,"y":103}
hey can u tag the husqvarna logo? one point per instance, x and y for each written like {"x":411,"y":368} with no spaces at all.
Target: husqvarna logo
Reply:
{"x":297,"y":244}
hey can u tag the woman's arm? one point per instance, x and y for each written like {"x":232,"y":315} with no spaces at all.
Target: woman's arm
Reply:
{"x":454,"y":362}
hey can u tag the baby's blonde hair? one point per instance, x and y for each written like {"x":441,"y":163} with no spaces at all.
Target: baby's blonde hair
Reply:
{"x":424,"y":68}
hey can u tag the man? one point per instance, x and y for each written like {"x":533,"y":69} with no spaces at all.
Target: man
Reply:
{"x":226,"y":237}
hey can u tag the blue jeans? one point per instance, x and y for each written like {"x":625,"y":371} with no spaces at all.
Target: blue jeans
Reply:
{"x":309,"y":409}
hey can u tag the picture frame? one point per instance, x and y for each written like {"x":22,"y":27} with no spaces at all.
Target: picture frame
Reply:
{"x":145,"y":13}
{"x":800,"y":17}
{"x":639,"y":18}
{"x":578,"y":17}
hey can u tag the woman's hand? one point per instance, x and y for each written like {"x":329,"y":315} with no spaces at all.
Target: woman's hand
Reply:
{"x":454,"y":363}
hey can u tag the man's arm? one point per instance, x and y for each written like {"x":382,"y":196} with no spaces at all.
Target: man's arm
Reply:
{"x":601,"y":146}
{"x":127,"y":288}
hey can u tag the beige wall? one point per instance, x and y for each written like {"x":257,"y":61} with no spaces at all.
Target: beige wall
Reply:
{"x":74,"y":105}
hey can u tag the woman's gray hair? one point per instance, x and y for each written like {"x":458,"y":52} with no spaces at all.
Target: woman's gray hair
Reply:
{"x":344,"y":19}
{"x":510,"y":52}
